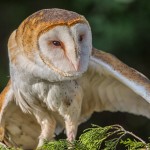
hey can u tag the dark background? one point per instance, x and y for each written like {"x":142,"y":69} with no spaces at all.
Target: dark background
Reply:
{"x":121,"y":27}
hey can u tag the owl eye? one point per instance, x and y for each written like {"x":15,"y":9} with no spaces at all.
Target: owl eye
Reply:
{"x":81,"y":38}
{"x":56,"y":43}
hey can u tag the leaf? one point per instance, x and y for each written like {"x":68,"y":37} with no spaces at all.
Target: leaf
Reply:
{"x":132,"y":144}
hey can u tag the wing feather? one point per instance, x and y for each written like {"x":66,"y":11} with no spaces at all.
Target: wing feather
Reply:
{"x":114,"y":86}
{"x":5,"y":97}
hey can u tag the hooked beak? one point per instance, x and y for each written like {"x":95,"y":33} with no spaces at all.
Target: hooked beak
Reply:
{"x":76,"y":64}
{"x":74,"y":59}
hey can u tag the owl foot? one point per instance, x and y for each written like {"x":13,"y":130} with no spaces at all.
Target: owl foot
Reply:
{"x":48,"y":125}
{"x":71,"y":130}
{"x":71,"y":136}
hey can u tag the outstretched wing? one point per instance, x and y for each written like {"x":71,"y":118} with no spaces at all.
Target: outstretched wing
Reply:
{"x":5,"y":98}
{"x":17,"y":125}
{"x":111,"y":85}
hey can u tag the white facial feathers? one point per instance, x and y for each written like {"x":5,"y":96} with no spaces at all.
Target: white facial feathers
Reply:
{"x":67,"y":48}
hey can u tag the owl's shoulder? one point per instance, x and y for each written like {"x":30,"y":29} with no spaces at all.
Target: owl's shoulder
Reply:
{"x":4,"y":94}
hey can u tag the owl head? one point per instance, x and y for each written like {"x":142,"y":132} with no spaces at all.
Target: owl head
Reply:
{"x":57,"y":40}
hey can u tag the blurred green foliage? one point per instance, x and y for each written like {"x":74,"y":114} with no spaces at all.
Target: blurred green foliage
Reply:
{"x":121,"y":27}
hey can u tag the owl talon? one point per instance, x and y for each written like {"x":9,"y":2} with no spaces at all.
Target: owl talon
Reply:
{"x":71,"y":137}
{"x":41,"y":142}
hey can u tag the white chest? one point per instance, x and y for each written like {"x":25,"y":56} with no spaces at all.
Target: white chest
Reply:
{"x":54,"y":96}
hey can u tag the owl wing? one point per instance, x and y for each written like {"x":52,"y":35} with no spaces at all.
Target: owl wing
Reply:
{"x":5,"y":98}
{"x":111,"y":85}
{"x":16,"y":127}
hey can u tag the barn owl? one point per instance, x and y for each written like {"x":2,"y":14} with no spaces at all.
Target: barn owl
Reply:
{"x":57,"y":80}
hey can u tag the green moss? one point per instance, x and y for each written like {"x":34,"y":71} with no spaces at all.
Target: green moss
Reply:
{"x":95,"y":138}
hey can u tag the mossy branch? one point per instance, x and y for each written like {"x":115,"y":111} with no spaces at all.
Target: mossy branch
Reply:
{"x":106,"y":138}
{"x":96,"y":138}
